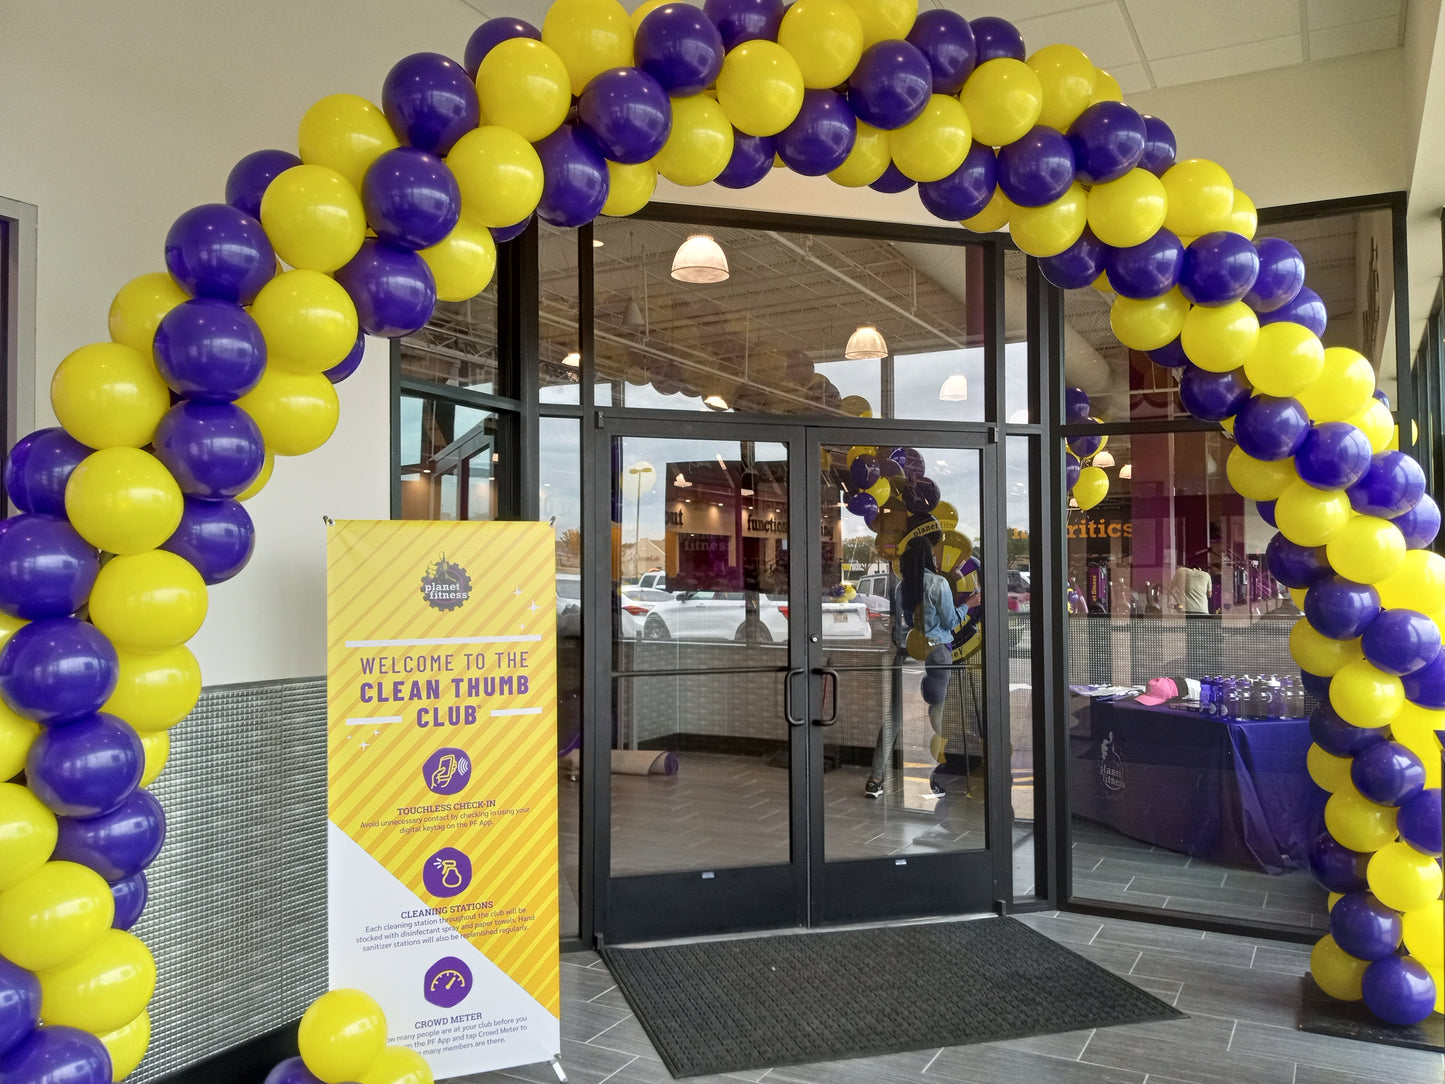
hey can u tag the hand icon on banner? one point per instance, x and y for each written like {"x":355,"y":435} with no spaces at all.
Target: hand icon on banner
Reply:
{"x":445,"y":769}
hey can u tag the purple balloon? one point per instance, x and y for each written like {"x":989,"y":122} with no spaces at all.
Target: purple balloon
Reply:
{"x":130,"y":895}
{"x":1307,"y":309}
{"x":214,"y":450}
{"x":1149,"y":269}
{"x":751,"y":161}
{"x":1171,"y":355}
{"x":86,"y":767}
{"x":910,"y":461}
{"x":1271,"y":427}
{"x":349,"y":364}
{"x":392,"y":289}
{"x":1337,"y":868}
{"x":1281,"y":275}
{"x":214,"y":250}
{"x":864,"y":472}
{"x":38,"y":467}
{"x":946,"y":41}
{"x":892,"y":181}
{"x":820,"y":137}
{"x":1364,"y":927}
{"x":19,"y":1004}
{"x":890,"y":85}
{"x":1037,"y":168}
{"x":996,"y":38}
{"x":1418,"y":822}
{"x":1401,"y":641}
{"x":1160,"y":148}
{"x":491,"y":34}
{"x":1387,"y":774}
{"x":1390,"y":487}
{"x":628,"y":113}
{"x":1078,"y":265}
{"x":1399,"y":990}
{"x":46,"y":568}
{"x":503,"y":234}
{"x":430,"y":101}
{"x":1339,"y":738}
{"x":1334,"y":455}
{"x":1108,"y":140}
{"x":1426,"y":686}
{"x":118,"y":844}
{"x":921,"y":496}
{"x":411,"y":198}
{"x":1265,"y":509}
{"x":1316,"y":685}
{"x":57,"y":1055}
{"x":1341,"y":609}
{"x":1213,"y":396}
{"x":678,"y":45}
{"x":1294,"y":565}
{"x":291,"y":1071}
{"x":1076,"y":405}
{"x":57,"y":669}
{"x":574,"y":178}
{"x":1379,"y":393}
{"x":209,"y":350}
{"x":1219,"y":268}
{"x":738,"y":21}
{"x":1085,"y":444}
{"x":863,"y":504}
{"x":966,"y":191}
{"x":1420,"y":524}
{"x":1072,"y":467}
{"x":251,"y":176}
{"x":216,"y":537}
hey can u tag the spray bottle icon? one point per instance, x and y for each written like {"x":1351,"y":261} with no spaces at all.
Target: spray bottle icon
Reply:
{"x":451,"y":876}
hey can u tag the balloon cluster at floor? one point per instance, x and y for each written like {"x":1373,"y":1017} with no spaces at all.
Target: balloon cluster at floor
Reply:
{"x":227,"y":354}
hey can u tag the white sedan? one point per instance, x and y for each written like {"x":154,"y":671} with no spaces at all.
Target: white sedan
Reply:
{"x":723,"y":615}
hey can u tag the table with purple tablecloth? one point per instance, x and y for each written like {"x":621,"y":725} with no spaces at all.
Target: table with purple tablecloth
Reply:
{"x":1234,"y":791}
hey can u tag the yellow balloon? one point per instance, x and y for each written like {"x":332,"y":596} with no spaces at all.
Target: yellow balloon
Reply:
{"x":314,"y":218}
{"x":1004,"y":98}
{"x":123,"y":500}
{"x":1364,"y":695}
{"x":155,"y":690}
{"x":946,"y":514}
{"x":859,"y":449}
{"x":1106,"y":87}
{"x":1243,"y":217}
{"x":157,"y":747}
{"x":1367,"y":550}
{"x":1297,"y":596}
{"x":1332,"y":899}
{"x":883,"y":20}
{"x":760,"y":87}
{"x":522,"y":84}
{"x":1220,"y":337}
{"x":1424,"y":930}
{"x":1287,"y":358}
{"x":397,"y":1065}
{"x":867,"y":161}
{"x":1128,"y":211}
{"x":630,"y":187}
{"x":1258,"y":479}
{"x":1091,"y":488}
{"x":346,"y":133}
{"x":1066,"y":76}
{"x":16,"y":736}
{"x":342,"y":1034}
{"x":644,"y":10}
{"x":148,"y":601}
{"x":590,"y":36}
{"x":1335,"y":971}
{"x":1311,"y":517}
{"x":1317,"y":653}
{"x":1048,"y":230}
{"x":1403,"y":878}
{"x":1377,"y":424}
{"x":1327,"y":770}
{"x":880,"y":491}
{"x":139,"y":307}
{"x":462,"y":262}
{"x":308,"y":320}
{"x":1418,"y":584}
{"x":934,"y":144}
{"x":700,"y":144}
{"x":108,"y":395}
{"x":1358,"y":823}
{"x":1200,"y":194}
{"x":127,"y":1045}
{"x":994,"y":216}
{"x":1149,"y":323}
{"x":103,"y":990}
{"x":55,"y":915}
{"x":499,"y":175}
{"x":1343,"y":388}
{"x":1414,"y":727}
{"x":297,"y":413}
{"x":9,"y":624}
{"x":825,"y":37}
{"x":261,"y":479}
{"x":28,"y":831}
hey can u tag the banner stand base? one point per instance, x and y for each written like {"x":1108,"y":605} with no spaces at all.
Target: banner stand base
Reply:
{"x":557,"y":1068}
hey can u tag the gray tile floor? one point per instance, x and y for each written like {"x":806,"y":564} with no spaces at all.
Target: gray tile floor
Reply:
{"x":1241,"y":995}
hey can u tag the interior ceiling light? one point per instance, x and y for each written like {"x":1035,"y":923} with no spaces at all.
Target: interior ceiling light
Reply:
{"x":1103,"y":459}
{"x":1126,"y":471}
{"x":700,"y":259}
{"x":632,"y":316}
{"x":866,"y":342}
{"x":572,"y":360}
{"x":680,"y":482}
{"x":715,"y":402}
{"x":955,"y":388}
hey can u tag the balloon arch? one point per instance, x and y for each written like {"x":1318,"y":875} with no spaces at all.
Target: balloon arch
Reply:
{"x":133,"y":504}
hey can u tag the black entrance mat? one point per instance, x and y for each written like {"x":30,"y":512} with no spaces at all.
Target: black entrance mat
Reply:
{"x":751,"y":1003}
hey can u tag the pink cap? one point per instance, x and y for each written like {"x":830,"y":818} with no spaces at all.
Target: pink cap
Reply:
{"x":1159,"y":690}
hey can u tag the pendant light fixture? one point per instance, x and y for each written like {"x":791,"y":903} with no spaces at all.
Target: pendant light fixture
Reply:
{"x":700,"y":259}
{"x":1103,"y":459}
{"x":955,"y":389}
{"x":866,"y":342}
{"x":1126,"y":471}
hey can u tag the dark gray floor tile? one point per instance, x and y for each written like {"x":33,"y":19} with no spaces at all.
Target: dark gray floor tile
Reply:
{"x":585,"y":983}
{"x":1395,"y":1064}
{"x":1067,"y":1045}
{"x":584,"y":1020}
{"x":1195,"y":1048}
{"x":995,"y":1064}
{"x":1285,"y":959}
{"x":1066,"y":929}
{"x":583,"y":1065}
{"x":1116,"y":958}
{"x":1180,"y":888}
{"x":903,"y":1068}
{"x":1316,"y":1074}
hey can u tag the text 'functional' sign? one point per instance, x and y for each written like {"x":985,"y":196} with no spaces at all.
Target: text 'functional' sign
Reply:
{"x":442,"y":785}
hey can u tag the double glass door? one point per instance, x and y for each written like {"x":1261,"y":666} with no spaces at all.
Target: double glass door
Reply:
{"x":800,"y":713}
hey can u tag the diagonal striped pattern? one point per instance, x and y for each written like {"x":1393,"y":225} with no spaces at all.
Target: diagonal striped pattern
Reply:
{"x":504,"y":816}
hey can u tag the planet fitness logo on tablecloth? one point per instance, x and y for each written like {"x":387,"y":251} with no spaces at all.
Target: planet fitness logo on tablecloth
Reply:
{"x":447,"y":770}
{"x":447,"y":872}
{"x":446,"y":585}
{"x":447,"y":982}
{"x":1111,"y":764}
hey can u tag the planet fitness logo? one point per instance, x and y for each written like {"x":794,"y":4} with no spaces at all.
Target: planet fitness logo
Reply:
{"x":446,"y":585}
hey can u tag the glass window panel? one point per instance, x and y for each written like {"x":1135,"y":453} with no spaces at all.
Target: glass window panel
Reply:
{"x":1020,"y":466}
{"x":450,"y":460}
{"x":559,"y":358}
{"x":1016,"y":333}
{"x":458,"y":345}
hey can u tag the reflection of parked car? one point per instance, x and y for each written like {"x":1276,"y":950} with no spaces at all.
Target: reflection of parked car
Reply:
{"x":722,"y":615}
{"x":569,"y":592}
{"x":654,"y":578}
{"x":872,"y":591}
{"x":1018,"y":605}
{"x":635,"y":603}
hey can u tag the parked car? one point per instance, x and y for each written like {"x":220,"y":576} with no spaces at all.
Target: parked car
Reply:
{"x":569,"y":592}
{"x":634,"y":604}
{"x":1018,"y":605}
{"x":722,"y":615}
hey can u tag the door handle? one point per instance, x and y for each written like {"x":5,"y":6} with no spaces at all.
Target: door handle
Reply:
{"x":825,"y":673}
{"x":793,"y":720}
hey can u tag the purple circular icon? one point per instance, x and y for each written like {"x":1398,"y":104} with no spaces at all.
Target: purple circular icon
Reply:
{"x":447,"y":982}
{"x":446,"y":771}
{"x":447,"y":872}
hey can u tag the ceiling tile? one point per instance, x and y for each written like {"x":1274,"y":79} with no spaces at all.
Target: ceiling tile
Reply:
{"x":1099,"y":30}
{"x":1355,"y":38}
{"x":1323,"y":14}
{"x":1232,"y":60}
{"x":1132,"y":78}
{"x":1171,"y":28}
{"x":1013,"y":10}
